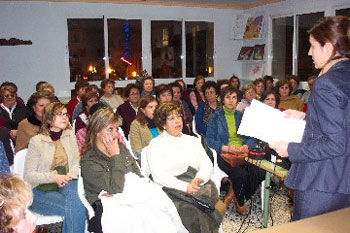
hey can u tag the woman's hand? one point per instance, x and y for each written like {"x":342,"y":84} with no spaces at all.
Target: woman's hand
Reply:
{"x":13,"y":133}
{"x":194,"y":186}
{"x":62,"y":180}
{"x":234,"y":149}
{"x":280,"y":147}
{"x":111,"y":145}
{"x":294,"y":114}
{"x":244,"y":149}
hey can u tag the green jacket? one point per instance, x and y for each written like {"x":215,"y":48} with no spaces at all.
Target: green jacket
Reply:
{"x":101,"y":172}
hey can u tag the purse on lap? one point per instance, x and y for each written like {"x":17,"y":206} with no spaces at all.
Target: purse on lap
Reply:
{"x":52,"y":186}
{"x":234,"y":159}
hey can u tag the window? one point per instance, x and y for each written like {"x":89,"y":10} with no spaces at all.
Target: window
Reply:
{"x":166,"y":42}
{"x":344,"y":12}
{"x":124,"y":48}
{"x":86,"y":49}
{"x":282,"y":43}
{"x":199,"y":48}
{"x":305,"y":63}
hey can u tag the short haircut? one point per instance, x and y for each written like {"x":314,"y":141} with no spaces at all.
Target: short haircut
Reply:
{"x":147,"y":78}
{"x":160,"y":89}
{"x":87,"y":96}
{"x":271,"y":92}
{"x":176,"y":84}
{"x":235,"y":77}
{"x":281,"y":83}
{"x":8,"y":88}
{"x":34,"y":98}
{"x":129,"y":87}
{"x":296,"y":78}
{"x":208,"y":85}
{"x":228,"y":91}
{"x":38,"y":84}
{"x":80,"y":84}
{"x":249,"y":86}
{"x":105,"y":82}
{"x":165,"y":110}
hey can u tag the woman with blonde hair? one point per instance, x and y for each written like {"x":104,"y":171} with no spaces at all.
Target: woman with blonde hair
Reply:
{"x":249,"y":93}
{"x":15,"y":198}
{"x":51,"y":168}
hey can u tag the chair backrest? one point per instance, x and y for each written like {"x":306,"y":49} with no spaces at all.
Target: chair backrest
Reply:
{"x":73,"y":125}
{"x":18,"y":162}
{"x":145,"y":171}
{"x":81,"y":194}
{"x":194,"y":130}
{"x":218,"y":174}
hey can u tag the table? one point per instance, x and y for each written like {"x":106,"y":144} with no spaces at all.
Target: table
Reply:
{"x":271,"y":169}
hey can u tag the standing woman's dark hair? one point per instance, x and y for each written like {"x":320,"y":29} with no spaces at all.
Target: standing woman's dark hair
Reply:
{"x":319,"y":174}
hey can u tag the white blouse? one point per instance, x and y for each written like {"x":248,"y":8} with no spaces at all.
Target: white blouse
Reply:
{"x":170,"y":156}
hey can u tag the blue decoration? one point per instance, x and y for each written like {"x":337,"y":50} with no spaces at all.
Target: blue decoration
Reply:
{"x":126,"y":38}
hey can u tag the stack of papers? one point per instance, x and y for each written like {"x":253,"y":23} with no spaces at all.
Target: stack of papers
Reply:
{"x":269,"y":124}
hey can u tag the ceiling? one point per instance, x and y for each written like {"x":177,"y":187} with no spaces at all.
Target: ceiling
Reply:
{"x":221,"y":4}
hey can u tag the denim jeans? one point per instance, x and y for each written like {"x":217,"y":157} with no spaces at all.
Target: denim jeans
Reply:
{"x":64,"y":203}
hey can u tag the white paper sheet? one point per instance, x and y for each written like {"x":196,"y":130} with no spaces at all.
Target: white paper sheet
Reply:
{"x":270,"y":125}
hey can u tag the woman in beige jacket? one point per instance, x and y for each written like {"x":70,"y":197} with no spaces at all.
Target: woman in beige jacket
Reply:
{"x":143,"y":129}
{"x":52,"y":166}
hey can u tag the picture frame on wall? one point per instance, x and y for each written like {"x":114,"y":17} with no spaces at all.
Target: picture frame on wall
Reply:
{"x":259,"y":51}
{"x":245,"y":53}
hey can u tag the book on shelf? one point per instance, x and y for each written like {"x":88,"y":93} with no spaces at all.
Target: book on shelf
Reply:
{"x":245,"y":53}
{"x":253,"y":28}
{"x":258,"y":52}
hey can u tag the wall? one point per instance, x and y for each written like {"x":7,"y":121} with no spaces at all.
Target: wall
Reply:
{"x":45,"y":24}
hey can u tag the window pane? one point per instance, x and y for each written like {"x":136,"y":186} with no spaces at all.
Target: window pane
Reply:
{"x":86,"y":49}
{"x":344,"y":12}
{"x":305,"y":64}
{"x":124,"y":48}
{"x":199,"y":48}
{"x":282,"y":43}
{"x":166,"y":37}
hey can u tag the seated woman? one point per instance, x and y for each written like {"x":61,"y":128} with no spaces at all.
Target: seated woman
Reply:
{"x":143,"y":128}
{"x":128,"y":110}
{"x":197,"y":95}
{"x":206,"y":109}
{"x":222,"y":137}
{"x":107,"y":166}
{"x":30,"y":126}
{"x":147,"y":86}
{"x":15,"y":198}
{"x":236,"y":83}
{"x":51,"y":168}
{"x":270,"y":98}
{"x":179,"y":161}
{"x":113,"y":100}
{"x":249,"y":91}
{"x":259,"y":87}
{"x":288,"y":101}
{"x":89,"y":99}
{"x":10,"y":111}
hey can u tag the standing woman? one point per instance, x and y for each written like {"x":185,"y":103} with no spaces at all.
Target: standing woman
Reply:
{"x":51,"y":168}
{"x":321,"y":162}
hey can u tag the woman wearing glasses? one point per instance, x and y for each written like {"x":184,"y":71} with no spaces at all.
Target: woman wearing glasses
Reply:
{"x":179,"y":161}
{"x":10,"y":111}
{"x":51,"y":168}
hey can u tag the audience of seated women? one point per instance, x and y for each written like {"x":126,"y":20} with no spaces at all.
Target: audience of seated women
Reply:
{"x":179,"y":161}
{"x":143,"y":128}
{"x":128,"y":110}
{"x":249,"y":94}
{"x":206,"y":109}
{"x":15,"y":198}
{"x":147,"y":86}
{"x":259,"y":87}
{"x":51,"y":168}
{"x":236,"y":83}
{"x":288,"y":101}
{"x":222,"y":137}
{"x":80,"y":89}
{"x":197,"y":95}
{"x":30,"y":126}
{"x":187,"y":114}
{"x":113,"y":100}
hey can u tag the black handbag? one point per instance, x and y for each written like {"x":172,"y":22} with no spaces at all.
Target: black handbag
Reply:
{"x":197,"y":201}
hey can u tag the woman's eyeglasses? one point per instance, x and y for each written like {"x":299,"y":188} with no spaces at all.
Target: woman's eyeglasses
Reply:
{"x":174,"y":117}
{"x":8,"y":96}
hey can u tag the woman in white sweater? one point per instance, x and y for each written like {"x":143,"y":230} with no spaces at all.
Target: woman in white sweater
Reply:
{"x":179,"y":161}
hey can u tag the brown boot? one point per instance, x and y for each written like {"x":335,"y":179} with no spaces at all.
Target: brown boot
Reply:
{"x":229,"y":196}
{"x":240,"y":209}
